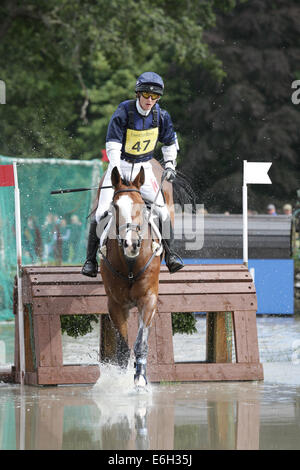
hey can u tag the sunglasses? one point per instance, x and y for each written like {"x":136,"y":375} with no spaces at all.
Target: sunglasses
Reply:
{"x":154,"y":96}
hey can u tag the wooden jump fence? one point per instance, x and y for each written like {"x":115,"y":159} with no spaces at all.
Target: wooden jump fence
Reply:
{"x":225,"y":292}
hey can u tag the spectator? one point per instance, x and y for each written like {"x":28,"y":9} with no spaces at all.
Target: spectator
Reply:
{"x":48,"y":230}
{"x":29,"y":239}
{"x":61,"y":237}
{"x":202,"y":210}
{"x":32,"y":240}
{"x":271,"y":209}
{"x":287,"y":209}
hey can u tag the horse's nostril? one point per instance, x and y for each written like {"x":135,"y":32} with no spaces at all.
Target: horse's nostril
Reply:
{"x":125,"y":243}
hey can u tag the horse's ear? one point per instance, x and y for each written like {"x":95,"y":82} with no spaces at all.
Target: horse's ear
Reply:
{"x":140,"y":178}
{"x":115,"y":177}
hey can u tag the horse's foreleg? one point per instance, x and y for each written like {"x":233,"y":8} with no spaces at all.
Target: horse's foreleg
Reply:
{"x":141,"y":344}
{"x":118,"y":315}
{"x":141,"y":353}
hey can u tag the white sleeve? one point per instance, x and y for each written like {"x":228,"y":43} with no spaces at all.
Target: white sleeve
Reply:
{"x":170,"y":154}
{"x":113,"y":151}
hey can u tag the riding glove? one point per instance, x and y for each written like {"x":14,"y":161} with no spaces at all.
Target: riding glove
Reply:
{"x":169,"y":172}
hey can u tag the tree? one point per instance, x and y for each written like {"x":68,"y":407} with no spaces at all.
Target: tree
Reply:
{"x":249,"y":115}
{"x":67,"y":64}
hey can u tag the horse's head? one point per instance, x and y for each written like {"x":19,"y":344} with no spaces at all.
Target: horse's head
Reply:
{"x":129,"y":208}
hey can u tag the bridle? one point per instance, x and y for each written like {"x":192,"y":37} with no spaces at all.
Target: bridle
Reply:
{"x":128,"y":226}
{"x":130,"y":262}
{"x":129,"y":190}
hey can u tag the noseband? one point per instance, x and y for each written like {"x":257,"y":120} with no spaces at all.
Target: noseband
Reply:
{"x":129,"y":227}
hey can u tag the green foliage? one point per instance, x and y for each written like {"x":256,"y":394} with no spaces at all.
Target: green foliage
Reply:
{"x":249,"y":115}
{"x":80,"y":325}
{"x":184,"y":323}
{"x":68,"y":64}
{"x":77,"y":325}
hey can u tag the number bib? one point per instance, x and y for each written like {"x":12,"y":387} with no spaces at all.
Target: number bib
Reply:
{"x":140,"y":143}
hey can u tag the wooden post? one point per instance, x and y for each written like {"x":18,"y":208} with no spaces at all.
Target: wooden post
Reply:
{"x":108,"y":340}
{"x":219,"y":337}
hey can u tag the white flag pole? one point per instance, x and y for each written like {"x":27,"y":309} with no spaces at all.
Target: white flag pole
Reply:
{"x":254,"y":173}
{"x":19,"y":275}
{"x":245,"y":217}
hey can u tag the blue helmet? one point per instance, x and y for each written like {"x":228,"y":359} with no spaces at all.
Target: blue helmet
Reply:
{"x":151,"y":82}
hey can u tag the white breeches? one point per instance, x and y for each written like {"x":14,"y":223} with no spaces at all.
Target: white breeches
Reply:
{"x":148,"y":190}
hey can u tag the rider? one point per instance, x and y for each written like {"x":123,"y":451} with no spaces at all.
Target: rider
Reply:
{"x":132,"y":134}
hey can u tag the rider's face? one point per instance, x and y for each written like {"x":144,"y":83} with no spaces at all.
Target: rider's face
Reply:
{"x":147,"y":103}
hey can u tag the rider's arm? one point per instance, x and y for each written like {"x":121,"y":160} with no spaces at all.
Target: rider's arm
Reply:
{"x":115,"y":137}
{"x":113,"y":151}
{"x":170,"y":154}
{"x":168,"y":137}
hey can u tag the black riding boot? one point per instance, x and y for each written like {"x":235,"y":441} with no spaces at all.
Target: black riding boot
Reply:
{"x":90,"y":267}
{"x":173,"y":261}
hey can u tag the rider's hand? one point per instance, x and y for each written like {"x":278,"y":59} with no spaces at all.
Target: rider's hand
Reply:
{"x":169,"y":172}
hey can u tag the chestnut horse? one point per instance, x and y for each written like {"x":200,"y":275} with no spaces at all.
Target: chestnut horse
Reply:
{"x":130,"y":269}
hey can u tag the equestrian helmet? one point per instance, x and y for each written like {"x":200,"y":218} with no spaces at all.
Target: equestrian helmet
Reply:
{"x":151,"y":82}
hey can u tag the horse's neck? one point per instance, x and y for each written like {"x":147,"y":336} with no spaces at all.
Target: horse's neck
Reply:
{"x":114,"y":253}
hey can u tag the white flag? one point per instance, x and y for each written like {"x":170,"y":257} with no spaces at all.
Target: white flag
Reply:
{"x":256,"y":172}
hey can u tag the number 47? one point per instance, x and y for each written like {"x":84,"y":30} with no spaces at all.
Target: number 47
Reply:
{"x":137,"y":145}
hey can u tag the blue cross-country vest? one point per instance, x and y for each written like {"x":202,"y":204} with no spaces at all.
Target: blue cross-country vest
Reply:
{"x":139,"y":134}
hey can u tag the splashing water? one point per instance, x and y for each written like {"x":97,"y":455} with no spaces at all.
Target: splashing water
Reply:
{"x":116,"y":381}
{"x":117,"y":398}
